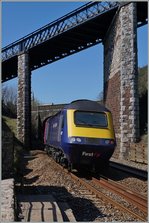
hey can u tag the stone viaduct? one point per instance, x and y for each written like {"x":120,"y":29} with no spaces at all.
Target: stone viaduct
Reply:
{"x":120,"y":80}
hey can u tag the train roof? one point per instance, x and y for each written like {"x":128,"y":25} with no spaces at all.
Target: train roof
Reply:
{"x":85,"y":104}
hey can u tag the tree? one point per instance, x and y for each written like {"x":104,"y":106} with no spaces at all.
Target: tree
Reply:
{"x":9,"y":101}
{"x":143,"y":81}
{"x":143,"y":98}
{"x":34,"y":102}
{"x":100,"y":97}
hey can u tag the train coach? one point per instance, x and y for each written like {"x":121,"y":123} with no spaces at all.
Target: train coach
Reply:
{"x":81,"y":134}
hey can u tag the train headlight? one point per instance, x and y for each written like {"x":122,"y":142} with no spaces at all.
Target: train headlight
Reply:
{"x":78,"y":139}
{"x":107,"y":141}
{"x":72,"y":140}
{"x":75,"y":140}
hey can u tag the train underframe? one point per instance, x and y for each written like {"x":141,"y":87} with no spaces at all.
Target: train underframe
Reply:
{"x":95,"y":164}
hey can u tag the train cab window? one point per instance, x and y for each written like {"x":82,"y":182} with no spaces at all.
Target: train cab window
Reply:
{"x":90,"y":119}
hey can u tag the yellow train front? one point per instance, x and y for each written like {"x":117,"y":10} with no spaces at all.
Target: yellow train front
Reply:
{"x":81,"y":134}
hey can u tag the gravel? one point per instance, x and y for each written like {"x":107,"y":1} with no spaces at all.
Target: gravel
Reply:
{"x":42,"y":174}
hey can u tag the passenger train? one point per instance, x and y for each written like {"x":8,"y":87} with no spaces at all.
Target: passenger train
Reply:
{"x":81,"y":134}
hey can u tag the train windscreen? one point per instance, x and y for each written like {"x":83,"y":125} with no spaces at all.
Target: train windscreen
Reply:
{"x":90,"y":119}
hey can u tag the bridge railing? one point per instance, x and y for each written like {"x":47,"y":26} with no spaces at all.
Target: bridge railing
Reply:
{"x":63,"y":24}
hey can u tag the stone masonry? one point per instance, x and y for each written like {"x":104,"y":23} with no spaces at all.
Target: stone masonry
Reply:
{"x":7,"y":200}
{"x":7,"y":185}
{"x":40,"y":114}
{"x":121,"y":77}
{"x":24,"y":100}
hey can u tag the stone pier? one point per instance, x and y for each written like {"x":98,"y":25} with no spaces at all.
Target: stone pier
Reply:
{"x":121,"y":77}
{"x":24,"y":100}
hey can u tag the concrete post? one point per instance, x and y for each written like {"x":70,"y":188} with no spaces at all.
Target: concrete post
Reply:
{"x":24,"y":100}
{"x":121,"y":77}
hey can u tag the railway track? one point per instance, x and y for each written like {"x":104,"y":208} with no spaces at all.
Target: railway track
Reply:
{"x":138,"y":200}
{"x":93,"y":187}
{"x":143,"y":174}
{"x":100,"y":194}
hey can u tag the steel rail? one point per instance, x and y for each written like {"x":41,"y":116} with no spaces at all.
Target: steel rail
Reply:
{"x":99,"y":194}
{"x":139,"y":200}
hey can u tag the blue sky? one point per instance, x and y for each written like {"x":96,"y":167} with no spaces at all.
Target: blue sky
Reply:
{"x":77,"y":76}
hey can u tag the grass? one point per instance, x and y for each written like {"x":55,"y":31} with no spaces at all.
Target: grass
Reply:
{"x":11,"y":123}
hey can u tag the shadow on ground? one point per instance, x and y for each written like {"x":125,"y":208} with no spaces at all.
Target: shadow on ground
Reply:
{"x":50,"y":200}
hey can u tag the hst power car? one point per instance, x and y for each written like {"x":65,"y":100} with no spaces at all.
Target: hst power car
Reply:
{"x":81,"y":134}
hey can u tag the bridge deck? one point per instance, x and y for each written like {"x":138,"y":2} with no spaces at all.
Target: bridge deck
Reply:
{"x":76,"y":31}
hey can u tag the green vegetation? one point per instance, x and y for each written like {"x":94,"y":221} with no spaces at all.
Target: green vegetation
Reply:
{"x":11,"y":123}
{"x":143,"y":80}
{"x":143,"y":99}
{"x":8,"y":109}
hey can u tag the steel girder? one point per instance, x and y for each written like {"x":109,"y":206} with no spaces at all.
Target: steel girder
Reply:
{"x":74,"y":32}
{"x":69,"y":21}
